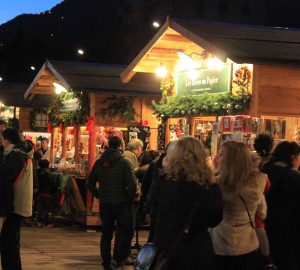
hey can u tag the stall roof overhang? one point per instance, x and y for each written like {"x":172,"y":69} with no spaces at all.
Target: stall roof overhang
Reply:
{"x":12,"y":94}
{"x":238,"y":43}
{"x":90,"y":78}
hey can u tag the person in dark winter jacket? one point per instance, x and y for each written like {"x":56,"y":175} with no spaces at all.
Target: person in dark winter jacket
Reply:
{"x":2,"y":183}
{"x":46,"y":192}
{"x":283,"y":200}
{"x":188,"y":181}
{"x":17,"y":175}
{"x":114,"y":175}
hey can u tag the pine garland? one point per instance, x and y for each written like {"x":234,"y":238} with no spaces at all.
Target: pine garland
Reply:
{"x":206,"y":104}
{"x":119,"y":106}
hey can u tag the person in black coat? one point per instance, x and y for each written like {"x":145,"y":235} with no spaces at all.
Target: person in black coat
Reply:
{"x":46,"y":191}
{"x":188,"y":180}
{"x":283,"y":200}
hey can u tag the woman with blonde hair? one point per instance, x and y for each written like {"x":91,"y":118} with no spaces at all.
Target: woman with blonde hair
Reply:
{"x":235,"y":240}
{"x":187,"y":181}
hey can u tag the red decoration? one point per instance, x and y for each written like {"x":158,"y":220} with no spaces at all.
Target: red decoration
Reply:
{"x":49,"y":127}
{"x":74,"y":130}
{"x":62,"y":199}
{"x":106,"y":164}
{"x":226,"y":124}
{"x":238,"y":123}
{"x":61,"y":128}
{"x":145,"y":123}
{"x":242,"y":123}
{"x":90,"y":123}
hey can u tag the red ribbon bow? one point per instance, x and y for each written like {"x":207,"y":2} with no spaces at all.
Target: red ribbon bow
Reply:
{"x":90,"y":123}
{"x":74,"y":129}
{"x":49,"y":127}
{"x":145,"y":123}
{"x":61,"y":128}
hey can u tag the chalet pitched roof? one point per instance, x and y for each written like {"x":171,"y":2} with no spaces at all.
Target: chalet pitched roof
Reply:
{"x":12,"y":94}
{"x":238,"y":43}
{"x":90,"y":77}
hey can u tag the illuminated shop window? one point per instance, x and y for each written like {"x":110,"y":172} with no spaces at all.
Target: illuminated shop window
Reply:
{"x":41,"y":120}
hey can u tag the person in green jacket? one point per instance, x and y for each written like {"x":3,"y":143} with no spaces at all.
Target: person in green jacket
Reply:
{"x":115,"y":178}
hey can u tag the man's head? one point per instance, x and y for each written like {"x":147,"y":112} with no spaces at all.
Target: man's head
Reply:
{"x":263,"y":144}
{"x":115,"y":142}
{"x":44,"y":163}
{"x":3,"y":125}
{"x":10,"y":136}
{"x":136,"y":146}
{"x":44,"y":143}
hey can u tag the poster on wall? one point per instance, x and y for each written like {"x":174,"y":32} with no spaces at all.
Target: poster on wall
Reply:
{"x":161,"y":137}
{"x":178,"y":128}
{"x":139,"y":132}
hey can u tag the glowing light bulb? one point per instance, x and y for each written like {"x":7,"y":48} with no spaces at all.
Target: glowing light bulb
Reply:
{"x":161,"y":71}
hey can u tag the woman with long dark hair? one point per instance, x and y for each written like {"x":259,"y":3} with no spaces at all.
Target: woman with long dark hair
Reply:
{"x":283,"y":199}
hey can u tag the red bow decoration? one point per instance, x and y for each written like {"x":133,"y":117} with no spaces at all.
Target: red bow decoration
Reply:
{"x":90,"y":123}
{"x":74,"y":130}
{"x":49,"y":127}
{"x":61,"y":128}
{"x":145,"y":123}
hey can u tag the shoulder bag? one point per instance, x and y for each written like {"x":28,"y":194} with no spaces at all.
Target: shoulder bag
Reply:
{"x":152,"y":257}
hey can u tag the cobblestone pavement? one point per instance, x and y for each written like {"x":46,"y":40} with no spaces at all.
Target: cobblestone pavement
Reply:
{"x":65,"y":247}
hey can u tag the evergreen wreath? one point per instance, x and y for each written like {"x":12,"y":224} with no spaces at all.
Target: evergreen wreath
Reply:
{"x":119,"y":106}
{"x":56,"y":117}
{"x":206,"y":104}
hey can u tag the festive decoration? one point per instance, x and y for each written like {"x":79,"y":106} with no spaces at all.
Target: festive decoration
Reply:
{"x":206,"y":104}
{"x":122,"y":106}
{"x":57,"y":114}
{"x":74,"y":130}
{"x":90,"y":124}
{"x":144,"y":123}
{"x":242,"y":77}
{"x":166,"y":86}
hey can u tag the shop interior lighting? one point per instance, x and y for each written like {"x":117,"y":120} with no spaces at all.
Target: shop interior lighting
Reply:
{"x":198,"y":60}
{"x":161,"y":71}
{"x":59,"y":88}
{"x":214,"y":63}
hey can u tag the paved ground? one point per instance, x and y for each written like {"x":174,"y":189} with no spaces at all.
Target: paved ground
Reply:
{"x":65,"y":247}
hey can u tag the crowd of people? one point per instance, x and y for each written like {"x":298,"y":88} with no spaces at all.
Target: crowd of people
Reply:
{"x":248,"y":214}
{"x":243,"y":212}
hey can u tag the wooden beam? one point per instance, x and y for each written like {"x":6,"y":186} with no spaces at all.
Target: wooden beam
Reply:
{"x":174,"y":38}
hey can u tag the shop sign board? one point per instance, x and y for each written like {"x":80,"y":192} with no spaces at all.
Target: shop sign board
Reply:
{"x":209,"y":81}
{"x":70,"y":105}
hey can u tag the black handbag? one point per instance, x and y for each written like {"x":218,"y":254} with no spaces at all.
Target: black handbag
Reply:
{"x":152,"y":257}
